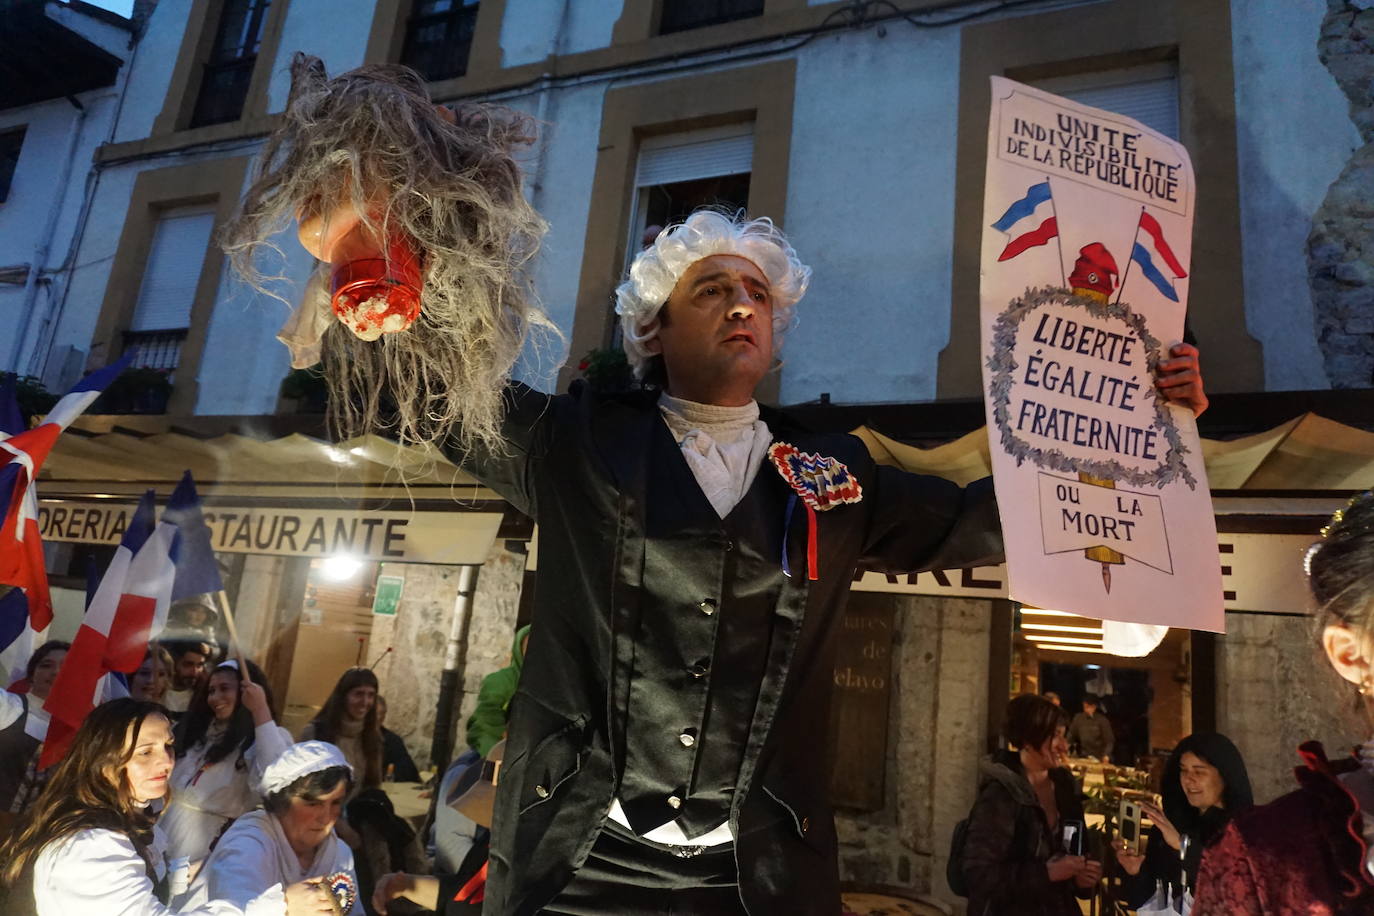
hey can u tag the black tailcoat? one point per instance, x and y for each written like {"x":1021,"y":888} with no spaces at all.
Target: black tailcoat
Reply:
{"x":579,"y":464}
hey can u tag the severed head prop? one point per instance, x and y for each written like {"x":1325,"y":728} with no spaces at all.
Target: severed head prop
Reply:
{"x":418,"y":215}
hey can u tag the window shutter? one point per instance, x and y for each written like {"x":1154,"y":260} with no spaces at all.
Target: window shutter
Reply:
{"x":173,"y":270}
{"x":696,"y":154}
{"x":1153,"y":103}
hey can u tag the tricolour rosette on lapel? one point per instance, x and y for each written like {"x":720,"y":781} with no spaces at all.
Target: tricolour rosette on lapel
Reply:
{"x":822,"y":483}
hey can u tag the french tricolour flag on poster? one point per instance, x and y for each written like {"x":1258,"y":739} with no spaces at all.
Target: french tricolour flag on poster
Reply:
{"x":1029,"y":221}
{"x":1151,"y":249}
{"x":26,"y":610}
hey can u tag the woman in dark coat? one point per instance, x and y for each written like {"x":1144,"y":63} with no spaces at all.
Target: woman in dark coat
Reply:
{"x":1205,"y":785}
{"x":1309,"y":851}
{"x":1016,"y":862}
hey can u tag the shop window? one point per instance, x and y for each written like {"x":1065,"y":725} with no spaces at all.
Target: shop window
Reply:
{"x":224,"y":82}
{"x":10,"y":143}
{"x":681,"y":15}
{"x":439,"y":38}
{"x":1147,"y":93}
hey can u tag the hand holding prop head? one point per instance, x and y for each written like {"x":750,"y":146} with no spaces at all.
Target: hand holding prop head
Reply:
{"x":420,"y":215}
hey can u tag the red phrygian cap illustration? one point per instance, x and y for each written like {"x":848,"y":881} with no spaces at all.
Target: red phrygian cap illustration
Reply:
{"x":1094,"y":269}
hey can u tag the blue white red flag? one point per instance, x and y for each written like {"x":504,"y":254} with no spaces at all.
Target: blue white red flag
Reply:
{"x":197,"y":573}
{"x":1151,"y":245}
{"x":1028,"y":221}
{"x":21,"y":550}
{"x":24,"y":453}
{"x":128,"y":610}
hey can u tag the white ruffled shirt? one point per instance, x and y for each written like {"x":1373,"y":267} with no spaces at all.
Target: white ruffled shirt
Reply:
{"x":100,"y":871}
{"x":724,"y":447}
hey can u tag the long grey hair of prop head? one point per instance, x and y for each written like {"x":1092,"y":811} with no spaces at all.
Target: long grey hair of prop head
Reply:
{"x":372,"y":135}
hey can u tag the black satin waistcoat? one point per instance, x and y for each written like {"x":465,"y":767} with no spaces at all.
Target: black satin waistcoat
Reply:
{"x":699,"y":656}
{"x":617,"y":545}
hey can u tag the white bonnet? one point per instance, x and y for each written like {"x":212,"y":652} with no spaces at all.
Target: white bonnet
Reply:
{"x":301,"y":760}
{"x":656,"y":270}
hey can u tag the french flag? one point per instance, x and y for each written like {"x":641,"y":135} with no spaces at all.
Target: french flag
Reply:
{"x":1154,"y":240}
{"x":155,"y":565}
{"x":26,"y":610}
{"x":128,"y":609}
{"x":1027,"y":221}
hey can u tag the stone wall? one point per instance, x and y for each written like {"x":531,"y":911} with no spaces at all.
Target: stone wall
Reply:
{"x":1340,"y":250}
{"x":419,"y":633}
{"x":1274,"y":691}
{"x":936,"y":737}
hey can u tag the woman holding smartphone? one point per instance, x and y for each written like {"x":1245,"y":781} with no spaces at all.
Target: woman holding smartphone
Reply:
{"x":1205,"y":785}
{"x":1023,"y":852}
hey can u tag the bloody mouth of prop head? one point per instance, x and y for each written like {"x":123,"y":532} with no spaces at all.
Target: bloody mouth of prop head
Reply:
{"x":376,"y":296}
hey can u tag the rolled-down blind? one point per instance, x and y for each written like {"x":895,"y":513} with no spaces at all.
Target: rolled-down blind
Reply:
{"x":696,"y":154}
{"x":173,"y":270}
{"x":1152,"y":102}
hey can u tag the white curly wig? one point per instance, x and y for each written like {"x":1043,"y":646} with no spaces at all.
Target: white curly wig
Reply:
{"x":656,"y":270}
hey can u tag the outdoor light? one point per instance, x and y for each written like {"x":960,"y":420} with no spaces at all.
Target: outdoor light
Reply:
{"x":1047,"y":637}
{"x":340,"y":567}
{"x":1089,"y":649}
{"x":1060,"y":628}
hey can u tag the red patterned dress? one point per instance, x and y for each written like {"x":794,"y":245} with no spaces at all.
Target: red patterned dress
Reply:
{"x":1301,"y":855}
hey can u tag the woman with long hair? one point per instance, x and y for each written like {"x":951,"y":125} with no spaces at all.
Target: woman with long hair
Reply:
{"x":224,"y":743}
{"x":1311,"y":851}
{"x":1016,"y":860}
{"x":91,"y":843}
{"x":1205,"y":785}
{"x":348,"y":720}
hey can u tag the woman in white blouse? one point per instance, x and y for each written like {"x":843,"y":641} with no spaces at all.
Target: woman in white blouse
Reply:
{"x":91,"y":844}
{"x":224,"y":742}
{"x":289,"y":839}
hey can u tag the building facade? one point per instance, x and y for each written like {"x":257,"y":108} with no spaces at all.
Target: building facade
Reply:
{"x":859,"y":127}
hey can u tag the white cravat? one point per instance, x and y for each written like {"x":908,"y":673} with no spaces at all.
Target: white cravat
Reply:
{"x":724,"y":447}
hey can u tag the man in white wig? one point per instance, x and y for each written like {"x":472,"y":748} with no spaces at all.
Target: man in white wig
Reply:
{"x":283,"y":859}
{"x":696,"y":554}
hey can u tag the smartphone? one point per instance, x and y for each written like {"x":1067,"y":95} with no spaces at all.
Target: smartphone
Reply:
{"x":1130,"y":826}
{"x":1073,"y":838}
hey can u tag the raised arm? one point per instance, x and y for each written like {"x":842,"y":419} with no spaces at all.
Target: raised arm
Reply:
{"x":921,"y":522}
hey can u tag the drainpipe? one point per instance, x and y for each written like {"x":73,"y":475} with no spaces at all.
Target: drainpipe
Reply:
{"x":40,"y":251}
{"x":542,"y":114}
{"x":451,"y":680}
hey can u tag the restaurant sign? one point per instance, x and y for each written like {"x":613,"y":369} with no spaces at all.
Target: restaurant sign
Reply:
{"x":458,"y":538}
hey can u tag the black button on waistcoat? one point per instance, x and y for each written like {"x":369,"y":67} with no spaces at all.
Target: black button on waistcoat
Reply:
{"x":697,"y":672}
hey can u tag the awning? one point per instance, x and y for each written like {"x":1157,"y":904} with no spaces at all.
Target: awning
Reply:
{"x":1308,"y":453}
{"x":289,"y":495}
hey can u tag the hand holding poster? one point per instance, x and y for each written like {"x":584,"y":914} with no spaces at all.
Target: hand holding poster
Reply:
{"x":1100,"y":483}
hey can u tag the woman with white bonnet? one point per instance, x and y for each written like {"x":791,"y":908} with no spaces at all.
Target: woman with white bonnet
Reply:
{"x":224,"y":742}
{"x":290,"y":840}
